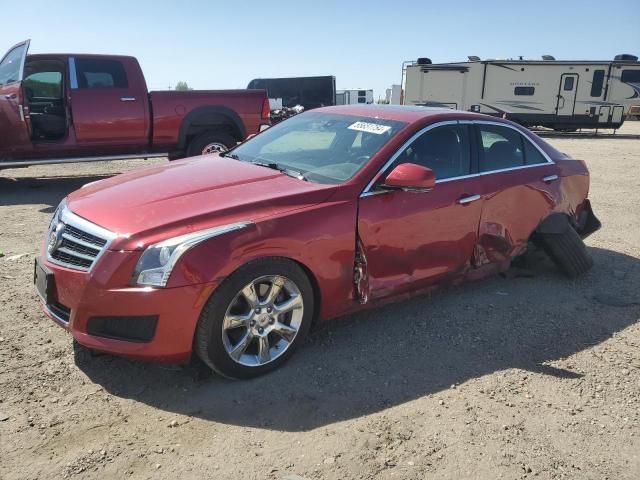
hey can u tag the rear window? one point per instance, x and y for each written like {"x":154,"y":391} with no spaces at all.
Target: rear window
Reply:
{"x":100,"y":73}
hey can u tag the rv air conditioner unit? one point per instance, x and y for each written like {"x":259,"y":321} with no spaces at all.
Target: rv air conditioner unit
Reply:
{"x":625,"y":57}
{"x":424,"y":61}
{"x":473,"y":58}
{"x":548,"y":57}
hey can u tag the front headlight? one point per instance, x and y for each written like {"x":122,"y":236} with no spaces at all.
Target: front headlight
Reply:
{"x":156,"y":263}
{"x":55,"y":218}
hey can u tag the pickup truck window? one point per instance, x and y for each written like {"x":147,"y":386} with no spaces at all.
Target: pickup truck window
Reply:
{"x":10,"y":66}
{"x":100,"y":73}
{"x":44,"y":85}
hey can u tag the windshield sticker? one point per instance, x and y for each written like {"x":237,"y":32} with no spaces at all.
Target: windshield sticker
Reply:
{"x":369,"y":127}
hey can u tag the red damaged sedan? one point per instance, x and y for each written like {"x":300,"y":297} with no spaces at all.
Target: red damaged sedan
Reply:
{"x":233,"y":256}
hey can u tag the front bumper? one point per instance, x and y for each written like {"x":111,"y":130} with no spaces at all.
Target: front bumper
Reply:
{"x":79,"y":298}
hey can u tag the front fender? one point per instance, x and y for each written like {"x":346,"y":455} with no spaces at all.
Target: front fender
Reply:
{"x":320,"y":238}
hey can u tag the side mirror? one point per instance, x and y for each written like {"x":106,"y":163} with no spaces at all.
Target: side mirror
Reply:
{"x":410,"y":177}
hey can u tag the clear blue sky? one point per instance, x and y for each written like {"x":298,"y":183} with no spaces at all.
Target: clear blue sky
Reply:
{"x":224,"y":44}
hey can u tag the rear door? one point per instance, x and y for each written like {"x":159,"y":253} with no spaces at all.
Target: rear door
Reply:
{"x":520,"y":186}
{"x":108,"y":102}
{"x":413,"y":239}
{"x":14,"y":123}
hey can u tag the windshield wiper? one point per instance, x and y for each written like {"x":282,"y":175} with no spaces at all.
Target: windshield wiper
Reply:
{"x":286,"y":171}
{"x":230,"y":155}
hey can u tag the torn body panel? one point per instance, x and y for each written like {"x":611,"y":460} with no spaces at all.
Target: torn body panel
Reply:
{"x":515,"y":204}
{"x":360,"y":275}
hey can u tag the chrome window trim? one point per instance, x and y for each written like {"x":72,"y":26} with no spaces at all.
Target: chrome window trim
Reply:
{"x":73,"y":80}
{"x":367,"y":192}
{"x":69,"y":218}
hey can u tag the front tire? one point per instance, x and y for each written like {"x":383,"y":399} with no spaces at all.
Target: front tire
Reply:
{"x":256,"y":318}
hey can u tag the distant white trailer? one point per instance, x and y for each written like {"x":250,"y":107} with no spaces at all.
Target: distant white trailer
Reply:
{"x":559,"y":94}
{"x":351,"y":97}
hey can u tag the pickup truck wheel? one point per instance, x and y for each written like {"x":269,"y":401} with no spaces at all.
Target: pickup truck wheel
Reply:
{"x":568,"y":252}
{"x":210,"y":142}
{"x":255,"y":319}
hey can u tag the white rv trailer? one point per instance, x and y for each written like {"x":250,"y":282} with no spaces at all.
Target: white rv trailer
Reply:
{"x":559,"y":94}
{"x":351,"y":97}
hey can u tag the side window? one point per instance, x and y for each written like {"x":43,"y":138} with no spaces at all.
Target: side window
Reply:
{"x":100,"y":73}
{"x":568,"y":83}
{"x":10,"y":66}
{"x":43,"y":85}
{"x":501,"y":147}
{"x":596,"y":84}
{"x":630,"y":76}
{"x":524,"y":90}
{"x":532,"y":155}
{"x":445,"y":150}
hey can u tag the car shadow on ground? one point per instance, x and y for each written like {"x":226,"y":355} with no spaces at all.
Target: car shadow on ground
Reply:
{"x":367,"y":362}
{"x":49,"y":190}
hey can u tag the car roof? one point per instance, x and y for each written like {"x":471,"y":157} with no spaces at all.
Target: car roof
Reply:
{"x":402,"y":113}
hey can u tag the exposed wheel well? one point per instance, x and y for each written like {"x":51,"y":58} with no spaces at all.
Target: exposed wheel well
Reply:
{"x":210,"y":118}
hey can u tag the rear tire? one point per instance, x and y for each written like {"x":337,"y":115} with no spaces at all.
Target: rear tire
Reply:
{"x":210,"y":142}
{"x":242,"y":338}
{"x":568,"y":252}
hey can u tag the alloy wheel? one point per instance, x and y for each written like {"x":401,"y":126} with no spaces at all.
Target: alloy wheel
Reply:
{"x":262,"y":320}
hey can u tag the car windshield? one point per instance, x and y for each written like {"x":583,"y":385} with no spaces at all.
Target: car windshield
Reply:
{"x":319,"y":147}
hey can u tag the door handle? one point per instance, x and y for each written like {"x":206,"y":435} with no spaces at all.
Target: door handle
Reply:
{"x":10,"y":96}
{"x":549,"y":178}
{"x":468,"y":199}
{"x":128,"y":99}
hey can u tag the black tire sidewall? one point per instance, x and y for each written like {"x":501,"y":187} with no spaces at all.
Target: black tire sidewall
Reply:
{"x":200,"y":141}
{"x":208,"y":343}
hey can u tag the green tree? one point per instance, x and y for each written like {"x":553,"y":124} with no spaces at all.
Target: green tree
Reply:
{"x":183,"y":86}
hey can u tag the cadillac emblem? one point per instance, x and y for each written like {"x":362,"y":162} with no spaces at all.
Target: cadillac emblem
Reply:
{"x":55,"y":238}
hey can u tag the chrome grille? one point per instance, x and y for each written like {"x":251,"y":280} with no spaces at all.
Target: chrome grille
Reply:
{"x":74,"y":242}
{"x":84,"y":237}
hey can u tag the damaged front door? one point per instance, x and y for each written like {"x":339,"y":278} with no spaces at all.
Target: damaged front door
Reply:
{"x":411,"y":239}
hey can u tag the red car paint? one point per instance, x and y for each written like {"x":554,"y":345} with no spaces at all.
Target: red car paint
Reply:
{"x":403,"y":243}
{"x":123,"y":121}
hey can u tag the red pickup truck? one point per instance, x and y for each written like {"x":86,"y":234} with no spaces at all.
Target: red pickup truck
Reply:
{"x":65,"y":107}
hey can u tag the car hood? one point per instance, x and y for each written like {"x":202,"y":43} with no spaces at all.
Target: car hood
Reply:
{"x":161,"y":201}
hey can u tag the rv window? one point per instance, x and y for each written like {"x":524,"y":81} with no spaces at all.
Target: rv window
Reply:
{"x":100,"y":73}
{"x":501,"y":147}
{"x":445,"y":150}
{"x":568,"y":83}
{"x":596,"y":84}
{"x":524,"y":90}
{"x":362,"y":93}
{"x":362,"y":100}
{"x":630,"y":76}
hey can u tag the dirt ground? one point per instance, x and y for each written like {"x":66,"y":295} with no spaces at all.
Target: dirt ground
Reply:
{"x":513,"y":377}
